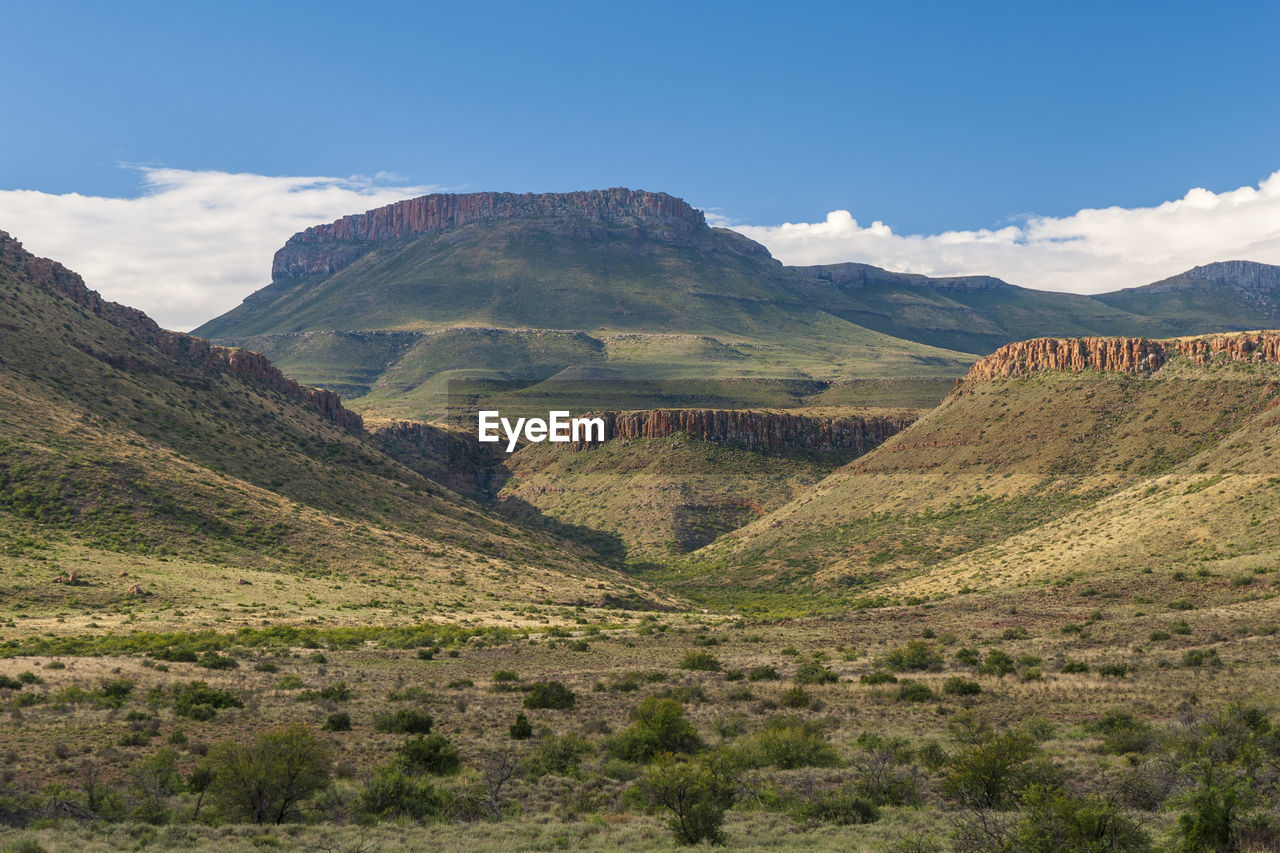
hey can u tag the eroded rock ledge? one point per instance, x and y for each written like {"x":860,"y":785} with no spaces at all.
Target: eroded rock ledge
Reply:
{"x":1122,"y":355}
{"x":325,"y":249}
{"x":754,"y":430}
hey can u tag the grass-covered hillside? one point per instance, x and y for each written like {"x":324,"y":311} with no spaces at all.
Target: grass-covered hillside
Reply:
{"x":1019,"y":481}
{"x":133,"y":459}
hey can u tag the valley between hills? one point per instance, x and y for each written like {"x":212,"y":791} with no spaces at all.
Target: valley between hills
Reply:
{"x":867,"y":560}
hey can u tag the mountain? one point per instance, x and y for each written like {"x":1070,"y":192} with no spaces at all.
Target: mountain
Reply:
{"x":137,"y":457}
{"x":1055,"y":456}
{"x":975,"y":314}
{"x":1220,"y":297}
{"x":483,"y":293}
{"x":605,"y":286}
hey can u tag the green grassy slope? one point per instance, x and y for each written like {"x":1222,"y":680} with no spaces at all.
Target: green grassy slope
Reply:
{"x":1228,"y":296}
{"x":115,"y":451}
{"x":1005,"y":470}
{"x":523,"y":300}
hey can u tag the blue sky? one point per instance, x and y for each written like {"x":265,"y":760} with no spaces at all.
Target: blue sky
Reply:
{"x":928,"y":117}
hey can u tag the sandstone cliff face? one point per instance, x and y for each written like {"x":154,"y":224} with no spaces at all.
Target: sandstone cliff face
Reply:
{"x":54,"y":277}
{"x":1122,"y":355}
{"x":325,"y":249}
{"x":753,"y":430}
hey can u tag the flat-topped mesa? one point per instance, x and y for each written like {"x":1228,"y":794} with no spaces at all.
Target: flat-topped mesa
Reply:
{"x":1122,"y":355}
{"x":753,"y":430}
{"x":325,"y":249}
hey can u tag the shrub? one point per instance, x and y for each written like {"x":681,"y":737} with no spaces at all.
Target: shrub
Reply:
{"x":878,"y":676}
{"x":198,"y":701}
{"x":813,"y":672}
{"x":556,"y":755}
{"x":433,"y":754}
{"x":502,"y":675}
{"x":1201,"y":657}
{"x":1113,"y":670}
{"x":915,"y":656}
{"x":914,"y":691}
{"x":1181,"y":604}
{"x":1075,"y":666}
{"x":788,"y":742}
{"x":968,"y":657}
{"x":659,"y":726}
{"x":997,"y":663}
{"x":840,"y":806}
{"x":265,"y":779}
{"x":763,"y":673}
{"x":1054,"y":820}
{"x":213,"y":660}
{"x":391,"y":794}
{"x":1122,"y":734}
{"x":549,"y":694}
{"x":521,"y":729}
{"x":404,"y":721}
{"x":987,"y":775}
{"x":700,"y":661}
{"x":796,"y":697}
{"x":338,"y":722}
{"x":957,"y":686}
{"x":694,"y":796}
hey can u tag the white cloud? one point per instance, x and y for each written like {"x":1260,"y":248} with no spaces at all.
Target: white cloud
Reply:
{"x":1088,"y":252}
{"x":194,"y":243}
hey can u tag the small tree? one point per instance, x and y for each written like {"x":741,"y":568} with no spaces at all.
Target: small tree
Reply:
{"x":659,"y":726}
{"x":265,"y":779}
{"x":692,"y":794}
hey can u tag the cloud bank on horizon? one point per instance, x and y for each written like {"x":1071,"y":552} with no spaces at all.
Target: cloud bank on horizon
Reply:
{"x":1091,"y":251}
{"x":195,"y":243}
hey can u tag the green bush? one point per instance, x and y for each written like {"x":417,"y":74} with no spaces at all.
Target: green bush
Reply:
{"x":988,"y":775}
{"x":213,"y":660}
{"x":915,"y":656}
{"x":997,"y":663}
{"x":198,"y":701}
{"x":1113,"y":670}
{"x":839,"y":806}
{"x":1075,"y":666}
{"x":558,"y":755}
{"x":549,"y":694}
{"x":796,"y":697}
{"x":403,"y":721}
{"x":393,"y":794}
{"x":958,"y":686}
{"x":1054,"y":820}
{"x":521,"y":728}
{"x":914,"y":691}
{"x":969,"y":657}
{"x":338,"y":722}
{"x":434,"y":754}
{"x":267,"y":778}
{"x":788,"y":742}
{"x":763,"y":673}
{"x":704,"y":661}
{"x":659,"y":726}
{"x":878,"y":677}
{"x":694,"y":796}
{"x":1122,"y":734}
{"x":1201,"y":657}
{"x":813,"y":672}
